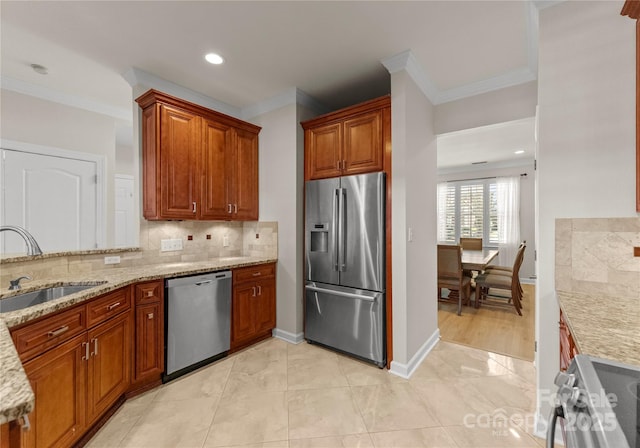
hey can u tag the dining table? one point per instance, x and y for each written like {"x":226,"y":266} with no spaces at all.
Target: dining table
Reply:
{"x":477,"y":260}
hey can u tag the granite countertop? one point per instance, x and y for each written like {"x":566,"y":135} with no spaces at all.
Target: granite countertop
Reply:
{"x":16,"y":396}
{"x":601,"y":326}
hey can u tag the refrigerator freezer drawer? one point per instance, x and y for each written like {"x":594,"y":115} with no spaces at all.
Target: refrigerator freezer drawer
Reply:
{"x":346,"y":319}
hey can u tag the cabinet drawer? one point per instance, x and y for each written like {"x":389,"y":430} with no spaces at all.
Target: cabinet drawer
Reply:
{"x":107,"y":306}
{"x":253,"y":273}
{"x":35,"y":339}
{"x":150,"y":292}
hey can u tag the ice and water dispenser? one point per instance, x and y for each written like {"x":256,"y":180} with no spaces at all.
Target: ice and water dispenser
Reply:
{"x":320,"y":238}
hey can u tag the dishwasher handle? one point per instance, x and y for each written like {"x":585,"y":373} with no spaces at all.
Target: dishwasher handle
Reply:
{"x":203,"y":282}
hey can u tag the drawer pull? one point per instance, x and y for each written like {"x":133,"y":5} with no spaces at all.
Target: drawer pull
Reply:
{"x":150,"y":316}
{"x":26,"y":424}
{"x":95,"y":347}
{"x":259,"y":290}
{"x":58,"y":331}
{"x":86,"y":351}
{"x":257,"y":274}
{"x":113,"y":305}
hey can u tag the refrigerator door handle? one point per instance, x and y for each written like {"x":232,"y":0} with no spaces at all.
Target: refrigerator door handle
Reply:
{"x":341,"y":294}
{"x":336,"y":219}
{"x":343,"y":230}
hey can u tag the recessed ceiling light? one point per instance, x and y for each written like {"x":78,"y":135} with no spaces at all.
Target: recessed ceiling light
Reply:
{"x":214,"y":58}
{"x":520,"y":151}
{"x":41,"y":69}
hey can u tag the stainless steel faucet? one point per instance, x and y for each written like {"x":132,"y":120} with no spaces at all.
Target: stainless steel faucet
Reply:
{"x":14,"y":285}
{"x":32,"y":245}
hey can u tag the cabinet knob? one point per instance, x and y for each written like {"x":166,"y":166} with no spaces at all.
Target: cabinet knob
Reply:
{"x":149,"y":293}
{"x":150,"y":316}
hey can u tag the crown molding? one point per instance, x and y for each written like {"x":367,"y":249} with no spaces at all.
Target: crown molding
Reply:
{"x":286,"y":98}
{"x":135,"y":76}
{"x":408,"y":62}
{"x":48,"y":94}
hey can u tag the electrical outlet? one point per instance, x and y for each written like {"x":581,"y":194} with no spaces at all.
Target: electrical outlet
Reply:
{"x":225,"y":241}
{"x":171,"y":245}
{"x":410,"y":234}
{"x":112,"y":260}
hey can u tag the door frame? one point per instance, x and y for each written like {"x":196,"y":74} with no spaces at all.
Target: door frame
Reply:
{"x":101,"y":178}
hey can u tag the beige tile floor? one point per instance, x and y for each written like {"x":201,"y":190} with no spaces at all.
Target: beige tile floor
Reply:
{"x":277,"y":394}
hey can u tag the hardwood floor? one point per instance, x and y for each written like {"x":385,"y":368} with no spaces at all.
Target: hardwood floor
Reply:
{"x":492,"y":328}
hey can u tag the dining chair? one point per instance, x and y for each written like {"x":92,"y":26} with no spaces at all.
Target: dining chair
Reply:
{"x":450,"y":274}
{"x":508,"y":270}
{"x":508,"y":285}
{"x":471,"y":243}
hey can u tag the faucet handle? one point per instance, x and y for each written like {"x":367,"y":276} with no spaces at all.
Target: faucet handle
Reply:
{"x":15,"y":284}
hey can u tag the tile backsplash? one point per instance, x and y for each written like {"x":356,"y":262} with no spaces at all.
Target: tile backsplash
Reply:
{"x":240,"y":238}
{"x":596,"y":255}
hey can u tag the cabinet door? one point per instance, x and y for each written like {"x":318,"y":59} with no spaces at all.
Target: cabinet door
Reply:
{"x":363,"y":149}
{"x":179,"y":162}
{"x":149,"y":341}
{"x":216,"y":166}
{"x":323,"y":151}
{"x":244,"y":183}
{"x":58,"y":380}
{"x":109,"y":370}
{"x":243,"y":327}
{"x":265,"y":308}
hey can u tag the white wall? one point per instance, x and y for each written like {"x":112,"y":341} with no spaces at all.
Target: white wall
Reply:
{"x":527,"y":206}
{"x":498,"y":106}
{"x":280,"y":200}
{"x":36,"y":121}
{"x":586,"y":142}
{"x":414,"y":158}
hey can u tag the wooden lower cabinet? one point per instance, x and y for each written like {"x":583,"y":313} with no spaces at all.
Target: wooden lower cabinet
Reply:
{"x":568,"y":348}
{"x":149,"y":356}
{"x":58,"y":380}
{"x":109,"y":367}
{"x":254,"y":305}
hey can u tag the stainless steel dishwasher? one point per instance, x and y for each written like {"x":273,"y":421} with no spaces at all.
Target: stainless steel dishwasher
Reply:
{"x":198,"y":321}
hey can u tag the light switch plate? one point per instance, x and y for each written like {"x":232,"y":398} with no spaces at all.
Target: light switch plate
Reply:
{"x":225,"y":241}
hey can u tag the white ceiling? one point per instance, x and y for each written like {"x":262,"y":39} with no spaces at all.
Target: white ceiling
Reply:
{"x":330,"y":50}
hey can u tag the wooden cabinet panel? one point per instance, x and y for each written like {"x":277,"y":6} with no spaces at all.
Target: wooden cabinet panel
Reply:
{"x":109,"y":364}
{"x":254,"y":304}
{"x":216,"y":166}
{"x":243,"y":321}
{"x":179,"y":162}
{"x":265,"y":318}
{"x":198,"y":163}
{"x":324,"y":151}
{"x":107,"y":306}
{"x":244,"y":183}
{"x":363,"y":143}
{"x":149,"y":360}
{"x":150,"y":292}
{"x":348,"y":141}
{"x":58,"y":382}
{"x":38,"y":337}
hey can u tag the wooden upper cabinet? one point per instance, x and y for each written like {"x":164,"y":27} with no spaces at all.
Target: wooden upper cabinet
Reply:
{"x":197,"y":163}
{"x":349,"y":141}
{"x":179,"y":138}
{"x":244,"y":181}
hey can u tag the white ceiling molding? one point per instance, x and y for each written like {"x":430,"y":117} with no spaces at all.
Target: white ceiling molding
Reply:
{"x":407,"y":61}
{"x":286,"y":98}
{"x":135,"y":76}
{"x":45,"y":93}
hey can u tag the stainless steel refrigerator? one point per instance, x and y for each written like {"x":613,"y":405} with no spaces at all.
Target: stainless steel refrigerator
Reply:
{"x":345,"y":265}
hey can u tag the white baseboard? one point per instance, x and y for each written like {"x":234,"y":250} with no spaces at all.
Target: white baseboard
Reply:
{"x":406,"y":370}
{"x":287,"y":336}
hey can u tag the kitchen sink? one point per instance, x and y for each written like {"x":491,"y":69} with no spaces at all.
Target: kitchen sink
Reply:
{"x":32,"y":298}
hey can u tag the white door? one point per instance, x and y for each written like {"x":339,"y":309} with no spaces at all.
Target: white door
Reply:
{"x":53,"y":197}
{"x":124,"y":225}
